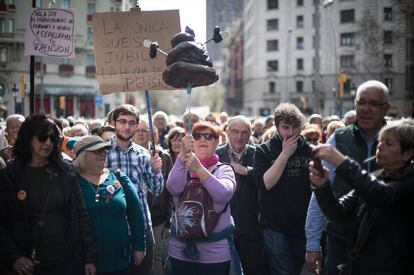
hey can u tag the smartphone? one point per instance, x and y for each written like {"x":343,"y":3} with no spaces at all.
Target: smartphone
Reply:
{"x":317,"y":162}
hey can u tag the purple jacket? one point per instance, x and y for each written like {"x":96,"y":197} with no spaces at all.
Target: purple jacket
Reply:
{"x":221,"y":186}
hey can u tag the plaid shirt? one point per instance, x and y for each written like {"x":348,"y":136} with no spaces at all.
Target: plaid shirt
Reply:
{"x":135,"y":162}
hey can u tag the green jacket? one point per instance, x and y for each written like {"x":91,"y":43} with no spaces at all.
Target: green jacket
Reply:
{"x":350,"y":142}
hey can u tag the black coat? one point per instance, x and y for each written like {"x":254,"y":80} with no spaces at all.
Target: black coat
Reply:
{"x":244,"y":204}
{"x":16,"y":216}
{"x":381,"y":209}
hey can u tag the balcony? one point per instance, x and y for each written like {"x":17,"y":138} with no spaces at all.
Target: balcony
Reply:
{"x":90,"y":71}
{"x":89,"y":18}
{"x":38,"y":67}
{"x":3,"y":7}
{"x":12,"y":7}
{"x":65,"y":69}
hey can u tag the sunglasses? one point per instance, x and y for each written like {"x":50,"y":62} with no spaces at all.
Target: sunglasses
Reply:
{"x":206,"y":136}
{"x":54,"y":138}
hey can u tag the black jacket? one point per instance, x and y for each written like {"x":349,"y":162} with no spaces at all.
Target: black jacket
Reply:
{"x":244,"y":204}
{"x":16,"y":216}
{"x":381,"y":208}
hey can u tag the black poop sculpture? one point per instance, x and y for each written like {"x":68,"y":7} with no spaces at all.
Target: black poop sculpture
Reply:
{"x":188,"y":63}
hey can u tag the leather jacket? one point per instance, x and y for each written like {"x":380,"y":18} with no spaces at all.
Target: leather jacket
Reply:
{"x":380,"y":206}
{"x":16,"y":216}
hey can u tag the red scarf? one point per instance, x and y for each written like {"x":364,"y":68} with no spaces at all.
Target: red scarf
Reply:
{"x":208,"y":162}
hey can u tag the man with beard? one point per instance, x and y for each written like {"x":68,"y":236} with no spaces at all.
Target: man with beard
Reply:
{"x":282,"y":176}
{"x":143,"y":169}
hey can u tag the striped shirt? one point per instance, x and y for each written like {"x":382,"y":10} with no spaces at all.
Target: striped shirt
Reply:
{"x":135,"y":162}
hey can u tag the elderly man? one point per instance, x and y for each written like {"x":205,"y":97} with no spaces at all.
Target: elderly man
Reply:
{"x":358,"y":141}
{"x":13,"y":123}
{"x":161,"y":123}
{"x":244,"y":205}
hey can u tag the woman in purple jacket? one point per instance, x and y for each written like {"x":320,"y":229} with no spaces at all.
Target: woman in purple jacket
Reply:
{"x":198,"y":157}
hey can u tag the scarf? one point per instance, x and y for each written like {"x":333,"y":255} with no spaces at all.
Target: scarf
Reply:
{"x":213,"y":160}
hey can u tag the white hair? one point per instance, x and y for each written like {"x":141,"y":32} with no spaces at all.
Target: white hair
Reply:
{"x":373,"y":84}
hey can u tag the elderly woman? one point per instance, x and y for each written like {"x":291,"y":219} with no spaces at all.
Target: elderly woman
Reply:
{"x":112,"y":203}
{"x":380,"y":206}
{"x":174,"y":140}
{"x":44,"y":225}
{"x":198,"y":157}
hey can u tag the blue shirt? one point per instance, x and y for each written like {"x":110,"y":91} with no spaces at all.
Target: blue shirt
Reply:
{"x":135,"y":162}
{"x":315,"y":218}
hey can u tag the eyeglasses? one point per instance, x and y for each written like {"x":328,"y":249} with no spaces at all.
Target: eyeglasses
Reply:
{"x":54,"y":138}
{"x":370,"y":104}
{"x":206,"y":136}
{"x":235,"y":132}
{"x":142,"y":131}
{"x":123,"y":122}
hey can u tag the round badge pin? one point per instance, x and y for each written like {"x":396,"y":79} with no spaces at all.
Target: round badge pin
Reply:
{"x":21,"y":195}
{"x":110,"y":189}
{"x":116,"y":184}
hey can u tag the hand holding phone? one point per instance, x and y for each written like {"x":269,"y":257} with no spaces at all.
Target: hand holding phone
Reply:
{"x":316,"y":161}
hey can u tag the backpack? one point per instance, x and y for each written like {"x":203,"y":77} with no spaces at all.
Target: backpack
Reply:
{"x":195,"y":217}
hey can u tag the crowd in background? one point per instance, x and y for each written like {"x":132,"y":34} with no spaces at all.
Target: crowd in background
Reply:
{"x":115,"y":209}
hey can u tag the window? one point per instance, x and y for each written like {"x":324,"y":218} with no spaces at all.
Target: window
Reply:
{"x":64,"y":4}
{"x":2,"y":25}
{"x":388,"y":60}
{"x":346,"y":61}
{"x":3,"y":55}
{"x":272,"y":24}
{"x":388,"y":83}
{"x":387,"y":14}
{"x":89,"y":36}
{"x":38,"y":3}
{"x":64,"y":61}
{"x":387,"y":37}
{"x":91,"y":8}
{"x":272,"y":87}
{"x":347,"y":39}
{"x":272,"y":4}
{"x":299,"y":64}
{"x":299,"y":43}
{"x":347,"y":16}
{"x":11,"y":25}
{"x":272,"y":45}
{"x":90,"y":60}
{"x":299,"y":21}
{"x":272,"y":66}
{"x":299,"y":3}
{"x":299,"y":86}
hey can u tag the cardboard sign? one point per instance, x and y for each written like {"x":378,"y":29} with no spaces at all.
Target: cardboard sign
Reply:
{"x":122,"y":61}
{"x":50,"y":32}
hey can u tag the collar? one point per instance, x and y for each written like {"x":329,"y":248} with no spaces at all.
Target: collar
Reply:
{"x":238,"y":155}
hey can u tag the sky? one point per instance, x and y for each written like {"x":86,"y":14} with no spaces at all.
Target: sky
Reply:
{"x":192,"y":13}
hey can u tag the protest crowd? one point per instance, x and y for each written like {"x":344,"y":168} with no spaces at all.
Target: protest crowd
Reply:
{"x":232,"y":195}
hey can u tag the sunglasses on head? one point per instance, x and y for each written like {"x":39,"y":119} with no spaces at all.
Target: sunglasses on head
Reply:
{"x":54,"y":138}
{"x":207,"y":136}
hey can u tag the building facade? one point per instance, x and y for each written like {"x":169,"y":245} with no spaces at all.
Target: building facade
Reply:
{"x":359,"y":40}
{"x":63,"y":86}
